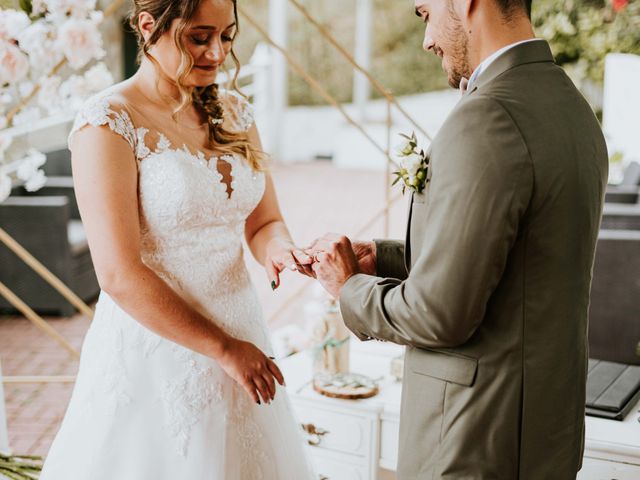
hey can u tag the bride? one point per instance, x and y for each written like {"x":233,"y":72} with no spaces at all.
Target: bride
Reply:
{"x":175,"y":379}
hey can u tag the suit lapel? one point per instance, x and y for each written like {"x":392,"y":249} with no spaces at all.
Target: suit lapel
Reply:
{"x":407,"y":240}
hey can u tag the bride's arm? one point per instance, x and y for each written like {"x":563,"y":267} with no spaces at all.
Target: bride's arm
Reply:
{"x":105,"y":176}
{"x":267,"y":234}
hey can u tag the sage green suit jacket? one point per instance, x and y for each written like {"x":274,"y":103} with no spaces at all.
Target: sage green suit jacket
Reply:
{"x":490,"y":290}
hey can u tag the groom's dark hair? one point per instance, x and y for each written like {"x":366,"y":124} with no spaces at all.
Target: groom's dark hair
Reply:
{"x":510,"y":8}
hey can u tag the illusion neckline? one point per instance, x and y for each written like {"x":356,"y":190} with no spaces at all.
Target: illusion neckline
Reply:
{"x":207,"y":161}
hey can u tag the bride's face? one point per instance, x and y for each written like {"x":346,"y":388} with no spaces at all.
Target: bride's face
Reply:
{"x":208,"y":38}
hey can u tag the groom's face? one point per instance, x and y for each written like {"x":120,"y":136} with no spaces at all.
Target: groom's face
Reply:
{"x":445,"y":36}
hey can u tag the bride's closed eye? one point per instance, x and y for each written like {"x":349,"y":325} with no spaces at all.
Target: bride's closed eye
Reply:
{"x":204,"y":39}
{"x":200,"y":39}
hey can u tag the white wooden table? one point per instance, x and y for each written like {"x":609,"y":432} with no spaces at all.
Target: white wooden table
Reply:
{"x":360,"y":439}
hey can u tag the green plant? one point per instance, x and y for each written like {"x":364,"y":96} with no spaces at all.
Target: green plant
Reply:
{"x":582,"y":32}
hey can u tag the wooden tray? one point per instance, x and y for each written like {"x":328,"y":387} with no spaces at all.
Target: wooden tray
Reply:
{"x":349,"y":386}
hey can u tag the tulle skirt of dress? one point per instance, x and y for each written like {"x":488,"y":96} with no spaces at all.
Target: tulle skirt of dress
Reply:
{"x":146,"y":408}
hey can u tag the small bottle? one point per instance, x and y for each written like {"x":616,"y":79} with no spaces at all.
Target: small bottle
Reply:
{"x":332,"y":342}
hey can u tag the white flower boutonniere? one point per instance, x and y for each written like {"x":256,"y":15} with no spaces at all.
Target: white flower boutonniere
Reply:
{"x":414,"y":165}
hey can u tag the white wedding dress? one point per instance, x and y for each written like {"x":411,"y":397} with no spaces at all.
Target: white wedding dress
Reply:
{"x":143,"y":407}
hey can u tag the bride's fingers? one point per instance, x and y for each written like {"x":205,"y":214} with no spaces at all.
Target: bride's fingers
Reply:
{"x":250,"y":388}
{"x":289,"y":262}
{"x":301,"y":257}
{"x":273,"y":368}
{"x":261,"y":385}
{"x":270,"y":383}
{"x":273,"y":274}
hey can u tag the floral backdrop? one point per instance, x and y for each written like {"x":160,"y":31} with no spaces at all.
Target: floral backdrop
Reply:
{"x":49,"y":63}
{"x":582,"y":32}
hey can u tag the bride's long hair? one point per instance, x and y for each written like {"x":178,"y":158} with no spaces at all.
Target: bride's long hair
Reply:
{"x":206,"y":98}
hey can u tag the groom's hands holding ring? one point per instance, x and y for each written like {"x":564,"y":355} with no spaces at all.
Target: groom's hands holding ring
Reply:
{"x":336,"y":260}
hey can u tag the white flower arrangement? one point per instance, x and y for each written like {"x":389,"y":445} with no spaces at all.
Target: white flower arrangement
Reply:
{"x":414,"y":164}
{"x":48,"y":55}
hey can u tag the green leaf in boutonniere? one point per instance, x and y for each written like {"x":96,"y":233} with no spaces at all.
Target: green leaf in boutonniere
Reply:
{"x":414,"y":165}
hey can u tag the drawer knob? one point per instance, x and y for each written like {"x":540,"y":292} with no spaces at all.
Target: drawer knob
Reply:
{"x":314,"y":433}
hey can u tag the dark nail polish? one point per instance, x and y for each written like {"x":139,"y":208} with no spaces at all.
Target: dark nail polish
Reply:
{"x":273,"y":285}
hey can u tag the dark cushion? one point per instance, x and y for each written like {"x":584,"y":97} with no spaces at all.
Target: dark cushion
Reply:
{"x":614,"y":312}
{"x":612,"y":389}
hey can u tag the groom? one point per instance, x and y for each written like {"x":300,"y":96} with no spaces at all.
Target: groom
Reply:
{"x":490,"y":289}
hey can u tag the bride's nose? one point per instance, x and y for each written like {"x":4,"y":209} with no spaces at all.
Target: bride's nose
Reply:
{"x":215,"y":53}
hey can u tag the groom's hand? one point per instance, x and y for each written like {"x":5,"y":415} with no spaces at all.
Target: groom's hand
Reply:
{"x":365,"y":255}
{"x":335,"y":262}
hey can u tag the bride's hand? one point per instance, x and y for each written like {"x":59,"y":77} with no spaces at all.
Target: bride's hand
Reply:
{"x":283,"y":255}
{"x":251,"y":369}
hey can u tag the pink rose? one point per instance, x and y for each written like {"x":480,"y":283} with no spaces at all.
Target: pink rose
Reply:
{"x":81,"y":42}
{"x":14,"y":65}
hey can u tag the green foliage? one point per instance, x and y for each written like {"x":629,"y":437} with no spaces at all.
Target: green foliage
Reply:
{"x":582,"y":32}
{"x":26,"y":6}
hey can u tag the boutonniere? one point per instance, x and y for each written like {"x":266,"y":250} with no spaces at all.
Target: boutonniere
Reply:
{"x":414,"y":164}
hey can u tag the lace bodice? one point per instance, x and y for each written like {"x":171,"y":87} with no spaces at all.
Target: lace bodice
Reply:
{"x":186,"y":213}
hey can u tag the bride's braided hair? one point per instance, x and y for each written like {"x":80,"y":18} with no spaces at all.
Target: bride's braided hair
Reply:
{"x":206,"y":99}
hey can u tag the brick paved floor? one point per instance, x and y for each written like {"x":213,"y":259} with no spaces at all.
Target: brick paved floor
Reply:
{"x":315,"y":198}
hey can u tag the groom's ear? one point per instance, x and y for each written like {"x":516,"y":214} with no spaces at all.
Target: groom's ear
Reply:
{"x":469,"y":9}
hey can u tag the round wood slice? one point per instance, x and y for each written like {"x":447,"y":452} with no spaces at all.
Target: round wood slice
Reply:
{"x":349,"y":386}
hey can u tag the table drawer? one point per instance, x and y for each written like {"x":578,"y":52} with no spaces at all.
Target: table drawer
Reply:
{"x":336,"y":467}
{"x":329,"y":430}
{"x":389,"y":436}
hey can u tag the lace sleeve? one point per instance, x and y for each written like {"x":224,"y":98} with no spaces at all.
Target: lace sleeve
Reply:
{"x":239,"y":111}
{"x":100,"y":111}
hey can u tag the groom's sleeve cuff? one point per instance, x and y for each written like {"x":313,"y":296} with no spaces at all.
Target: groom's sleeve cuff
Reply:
{"x":351,"y":307}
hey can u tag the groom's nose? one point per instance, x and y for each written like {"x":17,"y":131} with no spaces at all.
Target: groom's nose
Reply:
{"x":428,"y":43}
